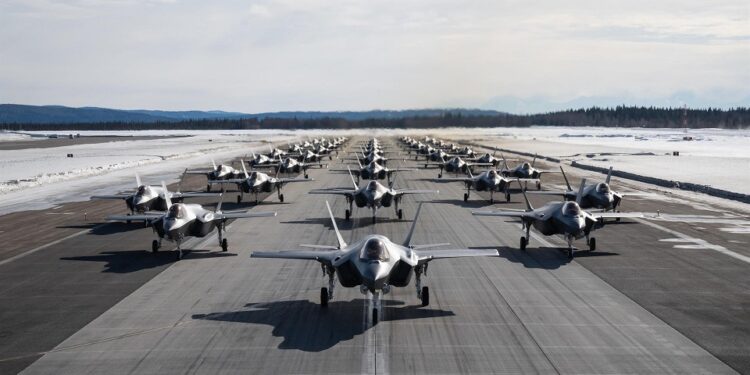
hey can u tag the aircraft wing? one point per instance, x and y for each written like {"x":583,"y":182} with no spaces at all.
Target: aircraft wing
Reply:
{"x":505,"y":213}
{"x":323,"y":256}
{"x":144,"y":217}
{"x":413,"y":191}
{"x":453,"y":179}
{"x":616,"y":215}
{"x":425,"y":256}
{"x":116,"y":196}
{"x":332,"y":191}
{"x":241,"y":215}
{"x":296,"y":179}
{"x":194,"y":194}
{"x":229,"y":181}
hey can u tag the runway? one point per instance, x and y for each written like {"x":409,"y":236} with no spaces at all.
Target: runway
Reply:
{"x":99,"y":302}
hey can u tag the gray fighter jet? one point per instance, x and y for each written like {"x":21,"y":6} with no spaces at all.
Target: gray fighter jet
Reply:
{"x":375,"y":171}
{"x":220,"y":172}
{"x":490,"y":181}
{"x":457,"y":165}
{"x":152,"y":198}
{"x":524,"y":170}
{"x":598,"y":195}
{"x":183,"y":220}
{"x":561,"y":218}
{"x":373,"y":196}
{"x":290,"y":165}
{"x":257,"y":182}
{"x":259,"y":160}
{"x":374,"y":263}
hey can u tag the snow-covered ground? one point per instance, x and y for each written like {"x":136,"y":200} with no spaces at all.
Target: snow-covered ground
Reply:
{"x":37,"y":178}
{"x":716,"y":157}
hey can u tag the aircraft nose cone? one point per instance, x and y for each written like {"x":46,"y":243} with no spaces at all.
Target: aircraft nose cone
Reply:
{"x":374,"y":275}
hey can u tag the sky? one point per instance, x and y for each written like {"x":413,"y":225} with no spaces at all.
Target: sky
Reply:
{"x":275,"y":55}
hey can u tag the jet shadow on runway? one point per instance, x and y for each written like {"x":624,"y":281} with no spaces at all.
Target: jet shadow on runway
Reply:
{"x":305,"y":326}
{"x":136,"y":260}
{"x":541,"y":257}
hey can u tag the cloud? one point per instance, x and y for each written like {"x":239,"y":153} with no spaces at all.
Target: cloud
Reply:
{"x":313,"y":54}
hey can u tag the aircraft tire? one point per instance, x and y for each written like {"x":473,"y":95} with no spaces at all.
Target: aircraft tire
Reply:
{"x":155,"y":246}
{"x":592,"y":244}
{"x":347,"y":215}
{"x":507,"y":197}
{"x":400,"y":213}
{"x":374,"y":316}
{"x":208,"y":188}
{"x":224,"y":245}
{"x":539,"y":186}
{"x":239,"y":199}
{"x":324,"y":297}
{"x":440,"y":175}
{"x":570,"y":253}
{"x":306,"y":176}
{"x":524,"y":242}
{"x":466,"y":197}
{"x":281,"y":198}
{"x":425,"y":296}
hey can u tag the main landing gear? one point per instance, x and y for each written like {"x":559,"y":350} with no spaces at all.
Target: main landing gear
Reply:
{"x":423,"y":292}
{"x":525,"y":240}
{"x":326,"y":294}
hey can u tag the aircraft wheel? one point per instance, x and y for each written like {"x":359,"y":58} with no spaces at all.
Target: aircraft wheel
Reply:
{"x":324,"y":297}
{"x":440,"y":175}
{"x":281,"y":198}
{"x":492,"y":200}
{"x":347,"y":214}
{"x":224,"y":245}
{"x":524,"y":242}
{"x":400,"y":213}
{"x":539,"y":186}
{"x":154,"y":246}
{"x":306,"y":175}
{"x":592,"y":244}
{"x":239,"y":199}
{"x":570,"y":253}
{"x":374,"y":316}
{"x":425,"y":296}
{"x":507,"y":197}
{"x":425,"y":165}
{"x":466,"y":197}
{"x":373,"y":219}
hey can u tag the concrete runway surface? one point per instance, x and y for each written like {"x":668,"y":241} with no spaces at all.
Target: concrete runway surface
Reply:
{"x":99,"y":302}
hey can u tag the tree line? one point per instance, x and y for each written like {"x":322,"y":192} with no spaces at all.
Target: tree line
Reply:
{"x":621,"y":116}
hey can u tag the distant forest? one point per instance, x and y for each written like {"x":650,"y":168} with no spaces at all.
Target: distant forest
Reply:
{"x":621,"y":116}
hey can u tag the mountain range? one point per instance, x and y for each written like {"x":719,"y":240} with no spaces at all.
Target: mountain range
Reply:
{"x":54,"y":114}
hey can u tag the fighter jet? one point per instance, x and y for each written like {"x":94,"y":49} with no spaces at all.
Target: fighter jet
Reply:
{"x":375,"y":171}
{"x":457,"y":165}
{"x":290,"y":165}
{"x":374,"y":263}
{"x":259,"y":160}
{"x":220,"y":172}
{"x":371,"y":157}
{"x":373,"y":196}
{"x":183,"y":220}
{"x":275,"y":153}
{"x":524,"y":170}
{"x":257,"y":182}
{"x":152,"y":198}
{"x":561,"y":218}
{"x":490,"y":180}
{"x":598,"y":195}
{"x":488,"y":158}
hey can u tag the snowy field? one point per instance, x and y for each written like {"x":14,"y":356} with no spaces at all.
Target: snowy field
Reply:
{"x":714,"y":157}
{"x":720,"y":158}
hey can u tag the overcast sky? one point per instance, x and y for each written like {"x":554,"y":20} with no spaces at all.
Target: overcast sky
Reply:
{"x":257,"y":56}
